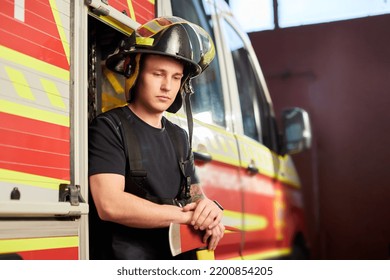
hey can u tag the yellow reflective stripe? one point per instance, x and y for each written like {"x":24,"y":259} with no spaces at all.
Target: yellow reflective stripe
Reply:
{"x":60,"y":28}
{"x":226,"y":159}
{"x":145,"y":41}
{"x":32,"y":244}
{"x":254,"y":222}
{"x":152,"y":1}
{"x":111,"y":102}
{"x":117,"y":86}
{"x":115,"y":24}
{"x":271,"y":254}
{"x":279,"y":214}
{"x":107,"y":98}
{"x":251,"y":222}
{"x":153,"y":26}
{"x":20,"y":83}
{"x":253,"y":150}
{"x":27,"y":179}
{"x":131,"y":9}
{"x":33,"y":113}
{"x":232,"y":218}
{"x":53,"y":93}
{"x":33,"y":63}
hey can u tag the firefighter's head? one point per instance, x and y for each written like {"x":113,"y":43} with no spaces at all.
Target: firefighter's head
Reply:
{"x":168,"y":36}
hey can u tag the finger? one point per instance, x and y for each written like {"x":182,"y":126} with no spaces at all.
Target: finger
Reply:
{"x":222,"y":227}
{"x":206,"y":235}
{"x":204,"y":219}
{"x":215,"y":238}
{"x":219,"y":232}
{"x":211,"y":245}
{"x":189,"y":207}
{"x":213,"y":218}
{"x":216,"y":220}
{"x":197,"y":213}
{"x":208,"y":212}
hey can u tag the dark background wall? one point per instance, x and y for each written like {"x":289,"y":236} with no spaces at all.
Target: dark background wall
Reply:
{"x":340,"y":73}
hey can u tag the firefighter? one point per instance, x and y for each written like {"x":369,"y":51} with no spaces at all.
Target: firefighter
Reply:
{"x":141,"y":169}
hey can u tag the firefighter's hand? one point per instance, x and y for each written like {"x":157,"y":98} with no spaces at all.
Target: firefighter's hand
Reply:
{"x":207,"y":215}
{"x":213,"y":236}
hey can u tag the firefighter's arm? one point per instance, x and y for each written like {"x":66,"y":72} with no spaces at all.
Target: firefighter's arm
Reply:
{"x":207,"y":214}
{"x":115,"y":205}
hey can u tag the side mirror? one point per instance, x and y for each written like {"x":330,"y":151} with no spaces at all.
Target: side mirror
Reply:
{"x":296,"y":130}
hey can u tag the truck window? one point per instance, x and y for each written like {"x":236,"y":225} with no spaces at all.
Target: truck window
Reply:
{"x":246,"y":80}
{"x":258,"y":122}
{"x":207,"y":102}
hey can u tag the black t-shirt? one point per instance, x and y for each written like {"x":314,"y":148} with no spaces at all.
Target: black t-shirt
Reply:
{"x":107,"y":154}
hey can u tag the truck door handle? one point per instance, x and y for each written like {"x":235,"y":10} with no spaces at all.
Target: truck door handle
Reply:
{"x":204,"y":157}
{"x":252,"y":169}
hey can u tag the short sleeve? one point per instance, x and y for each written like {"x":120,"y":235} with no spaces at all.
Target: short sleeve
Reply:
{"x":106,"y":153}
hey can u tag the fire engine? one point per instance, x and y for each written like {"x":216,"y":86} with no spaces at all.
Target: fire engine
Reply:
{"x":53,"y":82}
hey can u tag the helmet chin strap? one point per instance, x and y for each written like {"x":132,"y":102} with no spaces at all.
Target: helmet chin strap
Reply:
{"x":188,"y":91}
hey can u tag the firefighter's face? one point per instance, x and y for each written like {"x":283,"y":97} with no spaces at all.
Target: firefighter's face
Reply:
{"x":158,"y":83}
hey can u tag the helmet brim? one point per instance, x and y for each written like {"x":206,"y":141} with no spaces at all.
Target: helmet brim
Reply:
{"x":115,"y":62}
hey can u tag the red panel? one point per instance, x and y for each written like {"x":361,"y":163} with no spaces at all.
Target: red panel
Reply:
{"x":34,"y":147}
{"x":34,"y":142}
{"x":51,"y":254}
{"x":37,"y":36}
{"x":229,"y":245}
{"x":229,"y":199}
{"x":7,"y":8}
{"x":144,"y":10}
{"x":17,"y":123}
{"x":35,"y":162}
{"x":120,"y":5}
{"x":46,"y":171}
{"x":213,"y":178}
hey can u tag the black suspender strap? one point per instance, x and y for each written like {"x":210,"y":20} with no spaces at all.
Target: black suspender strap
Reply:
{"x":138,"y":173}
{"x":135,"y":160}
{"x":184,"y":158}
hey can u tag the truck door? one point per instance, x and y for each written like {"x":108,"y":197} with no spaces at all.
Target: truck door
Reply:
{"x":256,"y":134}
{"x":214,"y":144}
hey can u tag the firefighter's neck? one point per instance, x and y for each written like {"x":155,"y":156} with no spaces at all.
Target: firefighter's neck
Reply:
{"x":152,"y":118}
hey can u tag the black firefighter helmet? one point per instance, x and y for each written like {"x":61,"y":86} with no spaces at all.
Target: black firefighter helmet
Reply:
{"x":168,"y":36}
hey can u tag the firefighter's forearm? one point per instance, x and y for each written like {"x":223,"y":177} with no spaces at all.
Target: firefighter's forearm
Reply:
{"x":142,"y":213}
{"x":115,"y":205}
